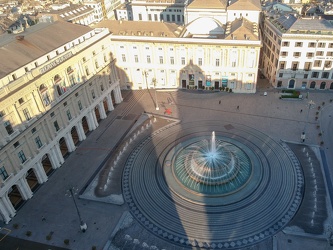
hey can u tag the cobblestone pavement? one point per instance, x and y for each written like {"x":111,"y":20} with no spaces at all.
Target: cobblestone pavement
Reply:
{"x":50,"y":211}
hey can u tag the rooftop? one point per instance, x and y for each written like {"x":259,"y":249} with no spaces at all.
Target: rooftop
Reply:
{"x":37,"y":41}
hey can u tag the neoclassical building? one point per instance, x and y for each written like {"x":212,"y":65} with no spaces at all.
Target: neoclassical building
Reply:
{"x":297,"y":52}
{"x":219,"y":47}
{"x":57,"y":81}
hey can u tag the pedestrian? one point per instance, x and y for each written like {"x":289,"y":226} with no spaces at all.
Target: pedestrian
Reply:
{"x":301,"y":111}
{"x":219,"y":101}
{"x":237,"y":107}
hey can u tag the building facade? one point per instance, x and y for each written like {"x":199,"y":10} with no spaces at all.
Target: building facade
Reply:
{"x":298,"y":52}
{"x":58,"y":92}
{"x":162,"y":55}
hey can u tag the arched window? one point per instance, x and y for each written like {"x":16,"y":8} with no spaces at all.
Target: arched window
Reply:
{"x":291,"y":84}
{"x":331,"y":86}
{"x":70,"y":70}
{"x":312,"y":85}
{"x":322,"y":85}
{"x":56,"y":78}
{"x":42,"y":88}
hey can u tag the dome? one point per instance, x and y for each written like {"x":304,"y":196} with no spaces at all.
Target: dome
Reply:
{"x":205,"y":26}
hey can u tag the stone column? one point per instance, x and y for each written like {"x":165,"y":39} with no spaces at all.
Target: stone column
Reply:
{"x":80,"y":131}
{"x":109,"y":101}
{"x":117,"y":95}
{"x":102,"y":110}
{"x":9,"y":206}
{"x":24,"y":188}
{"x":94,"y":118}
{"x":40,"y":173}
{"x":4,"y":213}
{"x":69,"y":142}
{"x":58,"y":155}
{"x":90,"y":120}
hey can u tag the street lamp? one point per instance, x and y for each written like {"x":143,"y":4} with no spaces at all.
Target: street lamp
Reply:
{"x":154,"y":82}
{"x":71,"y":192}
{"x":310,"y":105}
{"x":145,"y":74}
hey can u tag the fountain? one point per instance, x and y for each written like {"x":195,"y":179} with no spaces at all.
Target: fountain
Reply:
{"x":214,"y":167}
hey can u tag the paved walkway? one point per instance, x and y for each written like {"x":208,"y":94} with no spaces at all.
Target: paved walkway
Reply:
{"x":51,"y":212}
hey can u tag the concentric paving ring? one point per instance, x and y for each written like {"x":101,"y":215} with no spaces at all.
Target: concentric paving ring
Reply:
{"x":251,"y":214}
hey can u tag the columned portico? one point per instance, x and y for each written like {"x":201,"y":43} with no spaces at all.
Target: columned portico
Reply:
{"x":109,"y":102}
{"x":24,"y":188}
{"x":40,"y":173}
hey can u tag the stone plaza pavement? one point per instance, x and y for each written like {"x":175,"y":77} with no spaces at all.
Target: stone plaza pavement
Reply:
{"x":50,"y":211}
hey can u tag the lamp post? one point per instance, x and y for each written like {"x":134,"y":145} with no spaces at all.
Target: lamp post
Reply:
{"x":154,"y":82}
{"x":71,"y":192}
{"x":145,"y":74}
{"x":310,"y":105}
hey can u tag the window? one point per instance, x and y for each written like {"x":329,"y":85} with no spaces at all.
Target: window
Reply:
{"x":317,"y":63}
{"x":16,"y":144}
{"x":297,"y":54}
{"x":200,"y":61}
{"x":280,"y":74}
{"x":21,"y":101}
{"x":8,"y":127}
{"x":329,"y":53}
{"x":2,"y":113}
{"x":26,"y":114}
{"x":33,"y":130}
{"x":172,"y":60}
{"x":96,"y":64}
{"x":140,"y":17}
{"x":306,"y":76}
{"x":105,"y":57}
{"x":298,"y":44}
{"x":183,"y":60}
{"x":56,"y":125}
{"x":123,"y":57}
{"x":325,"y":75}
{"x":322,"y":85}
{"x":279,"y":84}
{"x":319,"y":53}
{"x":46,"y":98}
{"x":217,"y":62}
{"x":284,"y":53}
{"x":282,"y":65}
{"x":136,"y":58}
{"x":328,"y":64}
{"x":161,"y":59}
{"x":38,"y":142}
{"x":21,"y":156}
{"x":294,"y":65}
{"x":148,"y":59}
{"x":87,"y":70}
{"x":3,"y":173}
{"x":321,"y":45}
{"x":330,"y":45}
{"x":80,"y":104}
{"x":285,"y":44}
{"x":307,"y":66}
{"x":69,"y":115}
{"x":309,"y":54}
{"x":311,"y":45}
{"x":315,"y":74}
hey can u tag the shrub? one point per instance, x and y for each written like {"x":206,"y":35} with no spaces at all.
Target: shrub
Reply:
{"x":323,"y":103}
{"x":48,"y":237}
{"x":28,"y":233}
{"x":15,"y":226}
{"x":93,"y":248}
{"x":66,"y":241}
{"x":320,"y":134}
